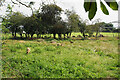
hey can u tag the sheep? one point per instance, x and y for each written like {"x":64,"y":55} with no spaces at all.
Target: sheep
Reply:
{"x":79,"y":36}
{"x":73,"y":36}
{"x":71,"y":41}
{"x":59,"y":44}
{"x":101,"y":35}
{"x":28,"y":50}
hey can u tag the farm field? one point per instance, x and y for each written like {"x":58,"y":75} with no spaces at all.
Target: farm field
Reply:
{"x":51,"y":58}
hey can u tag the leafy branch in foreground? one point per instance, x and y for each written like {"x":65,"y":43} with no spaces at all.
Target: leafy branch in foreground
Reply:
{"x":91,"y":7}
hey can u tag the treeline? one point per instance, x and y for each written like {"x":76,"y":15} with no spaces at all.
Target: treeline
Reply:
{"x":48,"y":20}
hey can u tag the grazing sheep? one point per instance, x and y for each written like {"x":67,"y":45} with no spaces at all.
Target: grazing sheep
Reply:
{"x":45,"y":37}
{"x":28,"y":50}
{"x":53,"y":42}
{"x":71,"y":41}
{"x":78,"y":36}
{"x":73,"y":36}
{"x":101,"y":35}
{"x":59,"y":44}
{"x":118,"y":37}
{"x":93,"y":35}
{"x":86,"y":35}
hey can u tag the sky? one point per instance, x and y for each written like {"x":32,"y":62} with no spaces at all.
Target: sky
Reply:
{"x":76,"y":5}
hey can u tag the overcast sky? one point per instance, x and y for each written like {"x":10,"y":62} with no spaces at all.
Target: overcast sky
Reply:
{"x":77,"y":5}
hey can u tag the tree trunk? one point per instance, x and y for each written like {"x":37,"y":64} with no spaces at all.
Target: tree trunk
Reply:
{"x":96,"y":35}
{"x":70,"y":34}
{"x":54,"y":36}
{"x":13,"y":34}
{"x":21,"y":35}
{"x":32,"y":35}
{"x":37,"y":35}
{"x":67,"y":35}
{"x":64,"y":36}
{"x":26,"y":35}
{"x":40,"y":36}
{"x":59,"y":35}
{"x":84,"y":35}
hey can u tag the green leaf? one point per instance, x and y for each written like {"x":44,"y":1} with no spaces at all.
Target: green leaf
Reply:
{"x":92,"y":10}
{"x":113,"y":5}
{"x":87,"y":6}
{"x":104,"y":9}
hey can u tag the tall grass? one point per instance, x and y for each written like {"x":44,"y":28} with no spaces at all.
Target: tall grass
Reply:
{"x":80,"y":59}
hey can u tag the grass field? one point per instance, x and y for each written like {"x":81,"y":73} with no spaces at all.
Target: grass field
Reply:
{"x":80,"y":59}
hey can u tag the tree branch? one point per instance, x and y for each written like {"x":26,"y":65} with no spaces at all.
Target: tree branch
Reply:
{"x":13,"y":2}
{"x":22,"y":4}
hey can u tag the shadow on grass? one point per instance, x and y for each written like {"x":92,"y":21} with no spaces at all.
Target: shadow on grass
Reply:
{"x":46,"y":39}
{"x":50,"y":39}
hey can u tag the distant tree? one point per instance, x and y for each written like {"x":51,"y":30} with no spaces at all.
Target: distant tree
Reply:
{"x":40,"y":27}
{"x":90,"y":29}
{"x":116,"y":30}
{"x":30,"y":26}
{"x":5,"y":30}
{"x":50,"y":12}
{"x":82,"y":28}
{"x":97,"y":27}
{"x":59,"y":28}
{"x":72,"y":20}
{"x":14,"y":21}
{"x":50,"y":15}
{"x":49,"y":20}
{"x":108,"y":27}
{"x":5,"y":25}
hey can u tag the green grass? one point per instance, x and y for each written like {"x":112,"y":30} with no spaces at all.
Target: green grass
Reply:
{"x":103,"y":33}
{"x":80,"y":59}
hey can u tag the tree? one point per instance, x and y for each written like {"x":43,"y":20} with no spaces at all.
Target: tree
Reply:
{"x":5,"y":30}
{"x":50,"y":15}
{"x":90,"y":29}
{"x":59,"y":28}
{"x":108,"y":27}
{"x":14,"y":21}
{"x":5,"y":26}
{"x":97,"y":27}
{"x":73,"y":20}
{"x":39,"y":27}
{"x":30,"y":26}
{"x":49,"y":20}
{"x":82,"y":28}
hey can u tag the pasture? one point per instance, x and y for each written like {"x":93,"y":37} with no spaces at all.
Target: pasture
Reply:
{"x":88,"y":58}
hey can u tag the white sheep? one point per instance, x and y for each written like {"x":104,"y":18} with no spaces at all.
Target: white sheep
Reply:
{"x":28,"y":50}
